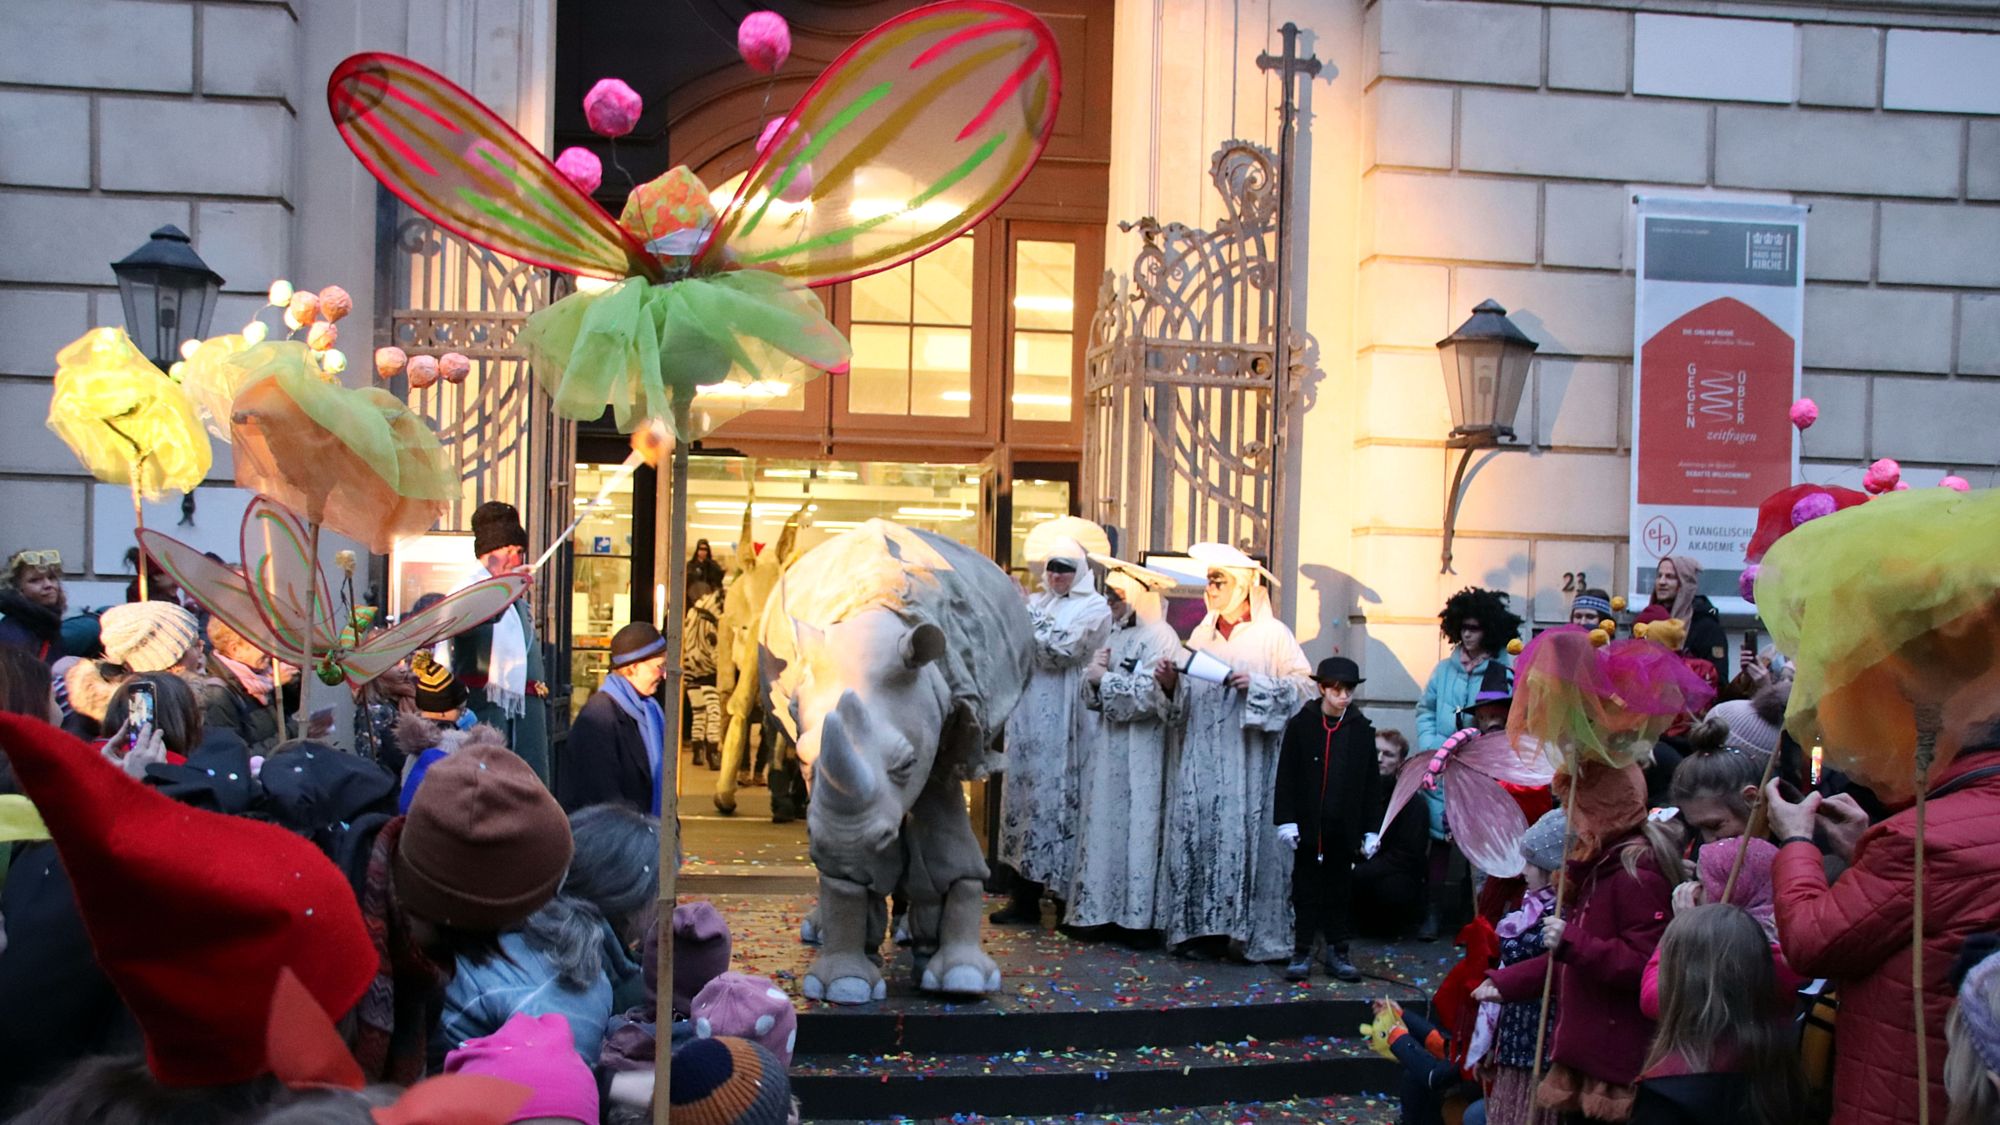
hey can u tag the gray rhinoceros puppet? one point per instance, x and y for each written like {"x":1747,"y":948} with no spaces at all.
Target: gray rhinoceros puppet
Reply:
{"x":894,"y":657}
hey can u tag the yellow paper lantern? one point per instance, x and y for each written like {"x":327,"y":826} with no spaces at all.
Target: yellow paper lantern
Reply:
{"x":124,"y":419}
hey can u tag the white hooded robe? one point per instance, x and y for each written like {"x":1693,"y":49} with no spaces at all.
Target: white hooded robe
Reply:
{"x":1122,"y":757}
{"x":1037,"y":799}
{"x":1223,"y":870}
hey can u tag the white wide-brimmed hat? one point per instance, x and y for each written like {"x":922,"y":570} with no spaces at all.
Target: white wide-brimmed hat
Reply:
{"x":1224,"y":555}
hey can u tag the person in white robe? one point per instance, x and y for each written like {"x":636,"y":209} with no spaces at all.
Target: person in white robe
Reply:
{"x":1037,"y":805}
{"x":1224,"y":872}
{"x":1130,"y":691}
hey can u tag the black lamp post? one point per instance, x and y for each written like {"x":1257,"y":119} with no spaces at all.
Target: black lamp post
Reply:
{"x":169,"y":294}
{"x":1485,"y":372}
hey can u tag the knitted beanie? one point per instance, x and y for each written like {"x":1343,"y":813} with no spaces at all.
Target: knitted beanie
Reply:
{"x":148,"y":636}
{"x":496,"y":524}
{"x":728,"y":1081}
{"x":485,"y":844}
{"x":438,"y":690}
{"x":538,"y":1052}
{"x":1976,"y":1003}
{"x":635,"y":642}
{"x":701,"y":951}
{"x":1747,"y":729}
{"x":1542,"y":844}
{"x":750,"y":1007}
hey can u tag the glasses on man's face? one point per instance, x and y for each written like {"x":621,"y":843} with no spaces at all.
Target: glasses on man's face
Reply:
{"x":1217,"y":578}
{"x":35,"y":558}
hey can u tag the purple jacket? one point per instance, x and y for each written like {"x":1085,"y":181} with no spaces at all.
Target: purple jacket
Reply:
{"x":1614,"y":923}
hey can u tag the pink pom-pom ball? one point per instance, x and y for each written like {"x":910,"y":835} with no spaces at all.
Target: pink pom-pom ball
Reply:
{"x":453,"y":367}
{"x":1882,"y":476}
{"x":390,"y":362}
{"x":322,"y":335}
{"x":799,"y":188}
{"x":303,"y":307}
{"x":764,"y":40}
{"x":334,"y":302}
{"x":1746,"y":583}
{"x":611,"y":107}
{"x":1956,"y":484}
{"x":1804,"y":413}
{"x":1810,"y":507}
{"x":1901,"y":486}
{"x":581,"y":167}
{"x":423,"y":371}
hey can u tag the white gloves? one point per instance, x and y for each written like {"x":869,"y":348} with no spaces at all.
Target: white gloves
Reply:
{"x":1370,"y":844}
{"x":1288,"y":835}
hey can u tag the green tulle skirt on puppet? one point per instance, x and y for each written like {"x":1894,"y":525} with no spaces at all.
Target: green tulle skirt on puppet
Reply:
{"x":1884,"y":608}
{"x":747,"y":336}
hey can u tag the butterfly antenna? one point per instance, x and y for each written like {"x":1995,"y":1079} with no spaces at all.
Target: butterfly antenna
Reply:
{"x":631,"y":182}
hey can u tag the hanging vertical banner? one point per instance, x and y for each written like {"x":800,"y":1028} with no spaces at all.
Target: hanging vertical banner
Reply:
{"x":1716,"y":353}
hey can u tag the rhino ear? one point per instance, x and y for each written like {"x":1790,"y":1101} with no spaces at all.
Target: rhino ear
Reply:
{"x":806,"y":636}
{"x":922,"y":645}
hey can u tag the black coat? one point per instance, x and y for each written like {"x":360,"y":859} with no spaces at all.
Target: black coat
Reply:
{"x":35,"y":629}
{"x":606,"y":761}
{"x":1706,"y":638}
{"x":1695,"y":1099}
{"x":1330,"y":804}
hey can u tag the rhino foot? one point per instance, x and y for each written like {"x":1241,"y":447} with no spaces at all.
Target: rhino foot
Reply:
{"x":809,"y":930}
{"x":844,"y":979}
{"x":961,"y":970}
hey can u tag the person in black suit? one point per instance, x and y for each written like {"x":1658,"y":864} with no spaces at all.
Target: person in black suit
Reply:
{"x":617,"y":743}
{"x":1327,"y":788}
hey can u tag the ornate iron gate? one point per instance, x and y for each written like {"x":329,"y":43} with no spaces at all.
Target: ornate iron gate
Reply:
{"x":1186,"y":386}
{"x":435,"y":293}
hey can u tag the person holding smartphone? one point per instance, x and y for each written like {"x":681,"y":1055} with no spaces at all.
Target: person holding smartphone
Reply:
{"x":154,"y":718}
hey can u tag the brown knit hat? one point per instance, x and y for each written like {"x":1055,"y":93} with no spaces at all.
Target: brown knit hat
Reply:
{"x":485,"y":844}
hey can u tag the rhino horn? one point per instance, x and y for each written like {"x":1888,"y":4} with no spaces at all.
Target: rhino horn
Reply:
{"x":848,"y":775}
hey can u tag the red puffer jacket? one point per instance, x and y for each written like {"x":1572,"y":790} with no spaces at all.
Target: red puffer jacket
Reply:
{"x":1857,"y":932}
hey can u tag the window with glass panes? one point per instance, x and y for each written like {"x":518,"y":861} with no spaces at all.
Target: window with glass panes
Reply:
{"x":1044,"y":323}
{"x":911,"y":328}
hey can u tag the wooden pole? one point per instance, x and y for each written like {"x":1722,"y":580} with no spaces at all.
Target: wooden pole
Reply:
{"x":1930,"y":720}
{"x":138,"y":523}
{"x":1549,"y":968}
{"x":1759,"y":817}
{"x":306,"y":671}
{"x":673,"y":529}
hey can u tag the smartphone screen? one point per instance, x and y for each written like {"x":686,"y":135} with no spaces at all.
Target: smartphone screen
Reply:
{"x":138,"y":709}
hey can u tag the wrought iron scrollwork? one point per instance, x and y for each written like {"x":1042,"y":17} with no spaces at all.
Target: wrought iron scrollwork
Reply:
{"x":1184,"y":397}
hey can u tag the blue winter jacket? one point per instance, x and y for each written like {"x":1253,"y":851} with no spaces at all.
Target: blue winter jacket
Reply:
{"x":482,"y":996}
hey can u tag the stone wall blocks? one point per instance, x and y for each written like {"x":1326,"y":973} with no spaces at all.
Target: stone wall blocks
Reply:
{"x":1941,"y":420}
{"x":1979,"y":334}
{"x":1457,"y":217}
{"x":1591,"y":138}
{"x":247,"y":243}
{"x":47,"y":513}
{"x":1569,"y":313}
{"x":1409,"y":126}
{"x":1839,"y":66}
{"x":1522,"y":492}
{"x":1932,"y":244}
{"x":1589,"y":49}
{"x":35,"y":324}
{"x":44,"y":139}
{"x":1982,"y":165}
{"x":1461,"y":41}
{"x":1840,"y":240}
{"x":1405,"y":395}
{"x":1878,"y":329}
{"x":1578,"y":404}
{"x":1821,"y":150}
{"x":56,"y":239}
{"x":248,"y":52}
{"x":1403,"y":303}
{"x":101,"y":45}
{"x":1585,"y":225}
{"x":1842,"y":429}
{"x":199,"y":148}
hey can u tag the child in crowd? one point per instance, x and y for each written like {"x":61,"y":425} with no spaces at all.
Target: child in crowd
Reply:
{"x":1715,"y":785}
{"x":1754,"y":894}
{"x":1510,"y":1100}
{"x":1972,"y":1060}
{"x":1326,"y":791}
{"x":1619,"y":887}
{"x":1723,"y":1054}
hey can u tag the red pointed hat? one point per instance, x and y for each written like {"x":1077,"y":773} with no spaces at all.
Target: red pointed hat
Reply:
{"x":192,"y":914}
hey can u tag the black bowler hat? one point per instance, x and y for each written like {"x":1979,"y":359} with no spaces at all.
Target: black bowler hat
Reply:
{"x":1338,"y":670}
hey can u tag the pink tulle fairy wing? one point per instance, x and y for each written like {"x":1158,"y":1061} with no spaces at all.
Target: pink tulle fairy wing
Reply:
{"x":474,"y":605}
{"x":291,"y":593}
{"x":450,"y":157}
{"x":911,"y":137}
{"x":1495,"y":755}
{"x":219,"y":590}
{"x":1484,"y":819}
{"x":1408,"y":780}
